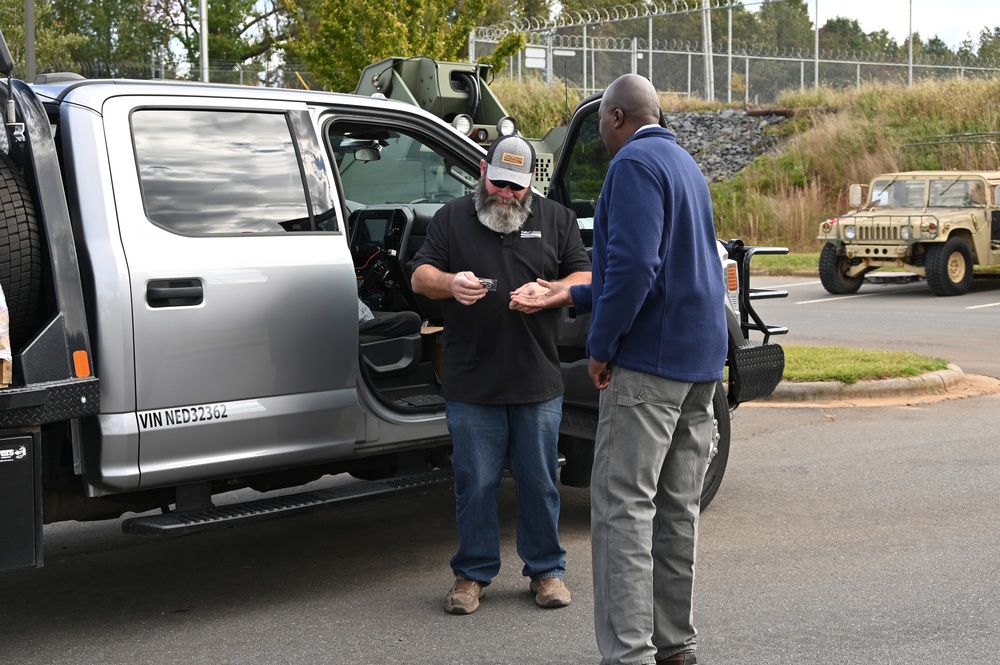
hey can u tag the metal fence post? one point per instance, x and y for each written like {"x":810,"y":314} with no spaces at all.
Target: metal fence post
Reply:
{"x":729,"y":58}
{"x":649,"y":45}
{"x":548,"y":60}
{"x":689,"y":76}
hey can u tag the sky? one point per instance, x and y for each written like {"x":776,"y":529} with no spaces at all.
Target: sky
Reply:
{"x":951,"y":20}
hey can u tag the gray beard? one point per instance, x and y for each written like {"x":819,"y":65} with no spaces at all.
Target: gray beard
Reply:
{"x":501,"y":217}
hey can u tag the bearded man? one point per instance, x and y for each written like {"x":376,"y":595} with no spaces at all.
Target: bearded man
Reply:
{"x":501,"y":380}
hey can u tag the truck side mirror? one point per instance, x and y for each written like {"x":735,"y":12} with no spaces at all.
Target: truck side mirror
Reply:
{"x":856,"y":196}
{"x":6,"y":62}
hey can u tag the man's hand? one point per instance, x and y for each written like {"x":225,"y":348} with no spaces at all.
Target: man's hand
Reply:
{"x":466,"y":289}
{"x":599,"y":373}
{"x":526,"y":297}
{"x":540,"y":294}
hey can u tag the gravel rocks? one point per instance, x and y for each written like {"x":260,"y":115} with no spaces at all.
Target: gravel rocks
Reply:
{"x":723,"y":142}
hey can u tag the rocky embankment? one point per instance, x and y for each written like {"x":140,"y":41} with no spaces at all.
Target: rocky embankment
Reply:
{"x":723,"y":142}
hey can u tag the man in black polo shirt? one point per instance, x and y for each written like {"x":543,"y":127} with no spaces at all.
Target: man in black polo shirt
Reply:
{"x":501,"y":378}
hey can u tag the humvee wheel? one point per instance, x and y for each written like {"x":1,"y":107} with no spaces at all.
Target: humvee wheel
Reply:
{"x":949,"y":267}
{"x":720,"y":448}
{"x":833,"y":272}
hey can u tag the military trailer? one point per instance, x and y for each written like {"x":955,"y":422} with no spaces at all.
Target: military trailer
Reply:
{"x":939,"y":225}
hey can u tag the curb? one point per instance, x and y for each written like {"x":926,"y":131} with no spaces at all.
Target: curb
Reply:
{"x":936,"y":383}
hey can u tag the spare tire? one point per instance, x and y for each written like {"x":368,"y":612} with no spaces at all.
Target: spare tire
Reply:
{"x":20,"y":254}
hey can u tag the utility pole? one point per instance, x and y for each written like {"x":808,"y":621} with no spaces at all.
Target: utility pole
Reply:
{"x":816,"y":50}
{"x":706,"y":31}
{"x":29,"y":40}
{"x":910,"y":40}
{"x":204,"y":40}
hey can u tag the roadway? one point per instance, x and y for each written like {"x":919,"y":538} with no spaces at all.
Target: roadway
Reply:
{"x":897,"y":317}
{"x":862,"y":535}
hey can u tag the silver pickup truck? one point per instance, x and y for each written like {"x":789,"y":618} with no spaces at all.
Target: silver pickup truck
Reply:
{"x":182,"y":265}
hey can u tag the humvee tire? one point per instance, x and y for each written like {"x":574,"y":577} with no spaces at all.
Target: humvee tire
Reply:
{"x":832,"y":269}
{"x":949,"y":267}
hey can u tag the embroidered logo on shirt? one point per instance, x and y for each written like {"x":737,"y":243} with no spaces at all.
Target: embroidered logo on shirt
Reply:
{"x":531,"y":234}
{"x":511,"y":158}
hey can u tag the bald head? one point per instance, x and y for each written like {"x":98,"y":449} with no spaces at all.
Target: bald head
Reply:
{"x":628,"y":103}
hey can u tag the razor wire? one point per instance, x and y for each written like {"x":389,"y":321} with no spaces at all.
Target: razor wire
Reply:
{"x":738,"y":64}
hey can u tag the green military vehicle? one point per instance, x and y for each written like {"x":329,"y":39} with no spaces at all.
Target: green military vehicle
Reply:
{"x":939,"y":225}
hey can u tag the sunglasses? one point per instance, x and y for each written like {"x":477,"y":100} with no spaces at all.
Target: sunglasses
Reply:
{"x":500,"y":184}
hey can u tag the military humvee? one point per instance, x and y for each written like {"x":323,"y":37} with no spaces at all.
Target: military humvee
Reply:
{"x":936,"y":224}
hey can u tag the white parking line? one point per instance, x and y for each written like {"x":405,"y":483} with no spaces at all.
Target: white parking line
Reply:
{"x":859,"y":295}
{"x":788,"y":286}
{"x":989,"y":304}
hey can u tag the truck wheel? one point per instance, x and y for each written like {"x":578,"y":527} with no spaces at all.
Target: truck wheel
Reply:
{"x":20,"y":253}
{"x":720,"y":457}
{"x":833,"y":272}
{"x":949,"y":267}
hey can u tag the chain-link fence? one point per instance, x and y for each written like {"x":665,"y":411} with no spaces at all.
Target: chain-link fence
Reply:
{"x":277,"y":74}
{"x":660,"y":39}
{"x":576,"y":50}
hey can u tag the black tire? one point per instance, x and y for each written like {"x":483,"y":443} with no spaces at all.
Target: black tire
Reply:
{"x":833,"y":269}
{"x":20,"y":254}
{"x":717,"y":467}
{"x":949,"y":267}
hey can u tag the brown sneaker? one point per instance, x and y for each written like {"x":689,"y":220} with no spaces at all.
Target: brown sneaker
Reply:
{"x":550,"y":592}
{"x":463,"y":597}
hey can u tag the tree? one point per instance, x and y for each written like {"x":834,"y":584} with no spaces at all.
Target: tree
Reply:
{"x":116,"y":31}
{"x":935,"y":47}
{"x":843,"y":34}
{"x":54,"y":43}
{"x":239,"y":31}
{"x":883,"y":44}
{"x":989,"y":47}
{"x":501,"y":11}
{"x":337,"y":39}
{"x":786,"y":24}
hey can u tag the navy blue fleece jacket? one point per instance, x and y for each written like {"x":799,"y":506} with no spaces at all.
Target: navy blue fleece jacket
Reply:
{"x":657,"y":290}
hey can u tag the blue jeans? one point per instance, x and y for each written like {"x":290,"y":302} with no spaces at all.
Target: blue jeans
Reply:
{"x":485,"y":439}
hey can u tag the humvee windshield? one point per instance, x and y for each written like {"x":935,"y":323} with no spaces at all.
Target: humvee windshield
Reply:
{"x":899,"y":193}
{"x":938,"y":193}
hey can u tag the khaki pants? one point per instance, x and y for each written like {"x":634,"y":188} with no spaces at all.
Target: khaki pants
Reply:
{"x":650,"y":458}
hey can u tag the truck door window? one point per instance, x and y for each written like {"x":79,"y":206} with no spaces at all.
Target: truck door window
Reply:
{"x":219,"y":172}
{"x":588,"y":164}
{"x":384,"y":166}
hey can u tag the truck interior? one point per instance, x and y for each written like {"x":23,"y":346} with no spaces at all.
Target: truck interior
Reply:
{"x":395,"y":181}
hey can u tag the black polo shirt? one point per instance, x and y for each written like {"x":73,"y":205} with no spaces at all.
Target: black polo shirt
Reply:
{"x":492,"y":354}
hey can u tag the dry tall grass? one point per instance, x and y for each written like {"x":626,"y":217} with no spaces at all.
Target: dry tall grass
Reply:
{"x":838,"y":137}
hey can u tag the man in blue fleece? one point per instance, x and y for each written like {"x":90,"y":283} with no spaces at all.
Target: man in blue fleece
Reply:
{"x":657,"y":347}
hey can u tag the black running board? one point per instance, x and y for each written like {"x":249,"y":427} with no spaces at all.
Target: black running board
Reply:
{"x":222,"y":517}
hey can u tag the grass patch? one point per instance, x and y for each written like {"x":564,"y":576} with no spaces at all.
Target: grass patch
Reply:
{"x":832,"y":363}
{"x":785,"y":264}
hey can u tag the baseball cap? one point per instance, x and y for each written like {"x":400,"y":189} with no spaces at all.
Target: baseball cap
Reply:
{"x":511,"y":158}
